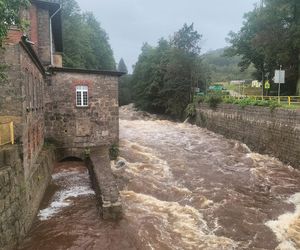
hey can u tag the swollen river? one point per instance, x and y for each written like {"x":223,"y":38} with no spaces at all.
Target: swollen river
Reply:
{"x":182,"y":187}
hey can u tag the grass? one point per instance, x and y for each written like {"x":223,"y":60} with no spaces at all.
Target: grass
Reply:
{"x":214,"y":100}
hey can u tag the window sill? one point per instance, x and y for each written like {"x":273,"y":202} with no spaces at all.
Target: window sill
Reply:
{"x":82,"y":107}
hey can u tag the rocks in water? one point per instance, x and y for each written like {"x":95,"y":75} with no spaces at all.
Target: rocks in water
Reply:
{"x":120,"y":164}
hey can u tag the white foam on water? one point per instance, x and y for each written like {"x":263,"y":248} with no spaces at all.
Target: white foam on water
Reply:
{"x":74,"y":186}
{"x":157,"y":167}
{"x":282,"y":226}
{"x":182,"y":220}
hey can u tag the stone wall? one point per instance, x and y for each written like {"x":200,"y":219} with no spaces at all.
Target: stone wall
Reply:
{"x":274,"y":132}
{"x":20,"y":199}
{"x":33,"y":110}
{"x":104,"y":183}
{"x":82,"y":127}
{"x":21,"y":101}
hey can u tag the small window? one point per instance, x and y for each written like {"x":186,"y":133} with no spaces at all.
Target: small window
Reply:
{"x":81,"y":96}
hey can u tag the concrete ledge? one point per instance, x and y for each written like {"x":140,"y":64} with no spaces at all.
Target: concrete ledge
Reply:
{"x":104,"y":183}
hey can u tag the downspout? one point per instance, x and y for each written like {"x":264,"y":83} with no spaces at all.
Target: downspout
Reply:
{"x":51,"y":35}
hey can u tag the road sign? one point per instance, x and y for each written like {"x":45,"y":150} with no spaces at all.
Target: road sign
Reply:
{"x":267,"y":85}
{"x":279,"y":76}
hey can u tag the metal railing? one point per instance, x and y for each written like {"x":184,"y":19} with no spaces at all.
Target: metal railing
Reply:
{"x":289,"y":100}
{"x":7,"y":133}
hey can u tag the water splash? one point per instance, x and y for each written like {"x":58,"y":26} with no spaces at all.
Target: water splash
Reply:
{"x":73,"y":184}
{"x":287,"y":226}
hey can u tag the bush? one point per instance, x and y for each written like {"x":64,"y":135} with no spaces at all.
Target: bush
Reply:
{"x":114,"y":151}
{"x":191,"y":110}
{"x":214,"y":100}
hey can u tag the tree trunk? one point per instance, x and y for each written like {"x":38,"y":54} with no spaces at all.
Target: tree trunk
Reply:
{"x":298,"y":81}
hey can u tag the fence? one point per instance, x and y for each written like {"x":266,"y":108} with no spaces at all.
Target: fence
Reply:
{"x":7,"y":133}
{"x":290,"y":100}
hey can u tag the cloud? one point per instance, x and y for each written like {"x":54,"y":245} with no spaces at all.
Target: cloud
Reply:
{"x":130,"y":23}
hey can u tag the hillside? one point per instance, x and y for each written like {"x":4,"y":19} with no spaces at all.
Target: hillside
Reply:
{"x":225,"y":68}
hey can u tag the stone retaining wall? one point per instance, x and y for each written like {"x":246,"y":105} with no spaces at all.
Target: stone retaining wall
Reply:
{"x":274,"y":132}
{"x":104,"y":183}
{"x":20,"y":200}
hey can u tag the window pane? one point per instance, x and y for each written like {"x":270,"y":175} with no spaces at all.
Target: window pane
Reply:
{"x":78,"y":98}
{"x":85,"y":98}
{"x":82,"y":88}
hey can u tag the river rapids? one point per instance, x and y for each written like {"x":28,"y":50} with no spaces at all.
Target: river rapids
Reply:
{"x":182,"y":187}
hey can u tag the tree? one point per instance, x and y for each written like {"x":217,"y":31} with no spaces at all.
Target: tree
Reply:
{"x":86,"y":44}
{"x":164,"y":77}
{"x":225,"y":68}
{"x":270,"y":37}
{"x":125,"y":90}
{"x":10,"y":15}
{"x":122,"y":66}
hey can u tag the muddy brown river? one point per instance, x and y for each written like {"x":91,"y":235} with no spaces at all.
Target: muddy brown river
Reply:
{"x":182,"y":187}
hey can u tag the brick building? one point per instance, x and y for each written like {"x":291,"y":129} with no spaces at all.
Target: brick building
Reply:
{"x":74,"y":108}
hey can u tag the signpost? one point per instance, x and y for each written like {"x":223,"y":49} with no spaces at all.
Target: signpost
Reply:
{"x":279,"y":78}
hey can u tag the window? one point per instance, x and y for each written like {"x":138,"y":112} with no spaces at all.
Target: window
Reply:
{"x":81,"y":96}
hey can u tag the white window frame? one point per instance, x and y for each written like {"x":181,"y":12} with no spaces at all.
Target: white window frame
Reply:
{"x":81,"y":90}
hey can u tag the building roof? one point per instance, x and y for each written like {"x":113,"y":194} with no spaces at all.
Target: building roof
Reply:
{"x":32,"y":54}
{"x":87,"y":71}
{"x":56,"y":21}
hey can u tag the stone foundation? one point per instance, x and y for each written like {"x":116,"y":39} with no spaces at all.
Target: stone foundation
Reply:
{"x":104,"y":184}
{"x":274,"y":132}
{"x":19,"y":197}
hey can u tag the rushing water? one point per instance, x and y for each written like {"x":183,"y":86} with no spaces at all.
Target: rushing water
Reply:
{"x":182,"y":187}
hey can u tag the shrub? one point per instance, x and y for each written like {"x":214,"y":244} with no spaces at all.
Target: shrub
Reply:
{"x":214,"y":100}
{"x":191,"y":110}
{"x":114,"y":151}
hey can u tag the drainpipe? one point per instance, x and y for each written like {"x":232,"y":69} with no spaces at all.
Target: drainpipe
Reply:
{"x":51,"y":35}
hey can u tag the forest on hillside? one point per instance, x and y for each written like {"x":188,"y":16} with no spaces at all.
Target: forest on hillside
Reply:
{"x":225,"y":68}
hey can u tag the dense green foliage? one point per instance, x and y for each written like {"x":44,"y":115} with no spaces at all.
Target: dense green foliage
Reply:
{"x":125,"y":86}
{"x":270,"y":37}
{"x":122,"y":66}
{"x":114,"y":151}
{"x":225,"y":68}
{"x":165,"y":76}
{"x":9,"y":15}
{"x":86,"y":44}
{"x":125,"y":90}
{"x":214,"y":100}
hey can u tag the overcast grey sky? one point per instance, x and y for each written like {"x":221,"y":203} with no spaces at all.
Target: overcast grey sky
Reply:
{"x":130,"y":23}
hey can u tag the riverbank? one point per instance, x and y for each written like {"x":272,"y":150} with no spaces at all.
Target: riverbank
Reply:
{"x":275,"y":132}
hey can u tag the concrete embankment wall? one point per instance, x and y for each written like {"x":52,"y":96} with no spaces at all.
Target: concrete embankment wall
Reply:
{"x":275,"y":132}
{"x":104,"y":183}
{"x":20,"y":197}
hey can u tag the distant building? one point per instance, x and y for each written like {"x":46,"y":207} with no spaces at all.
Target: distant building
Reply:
{"x":256,"y":84}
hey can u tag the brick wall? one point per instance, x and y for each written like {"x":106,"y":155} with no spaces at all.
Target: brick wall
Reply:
{"x":270,"y":132}
{"x":13,"y":36}
{"x":44,"y":50}
{"x":33,"y":25}
{"x":82,"y":127}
